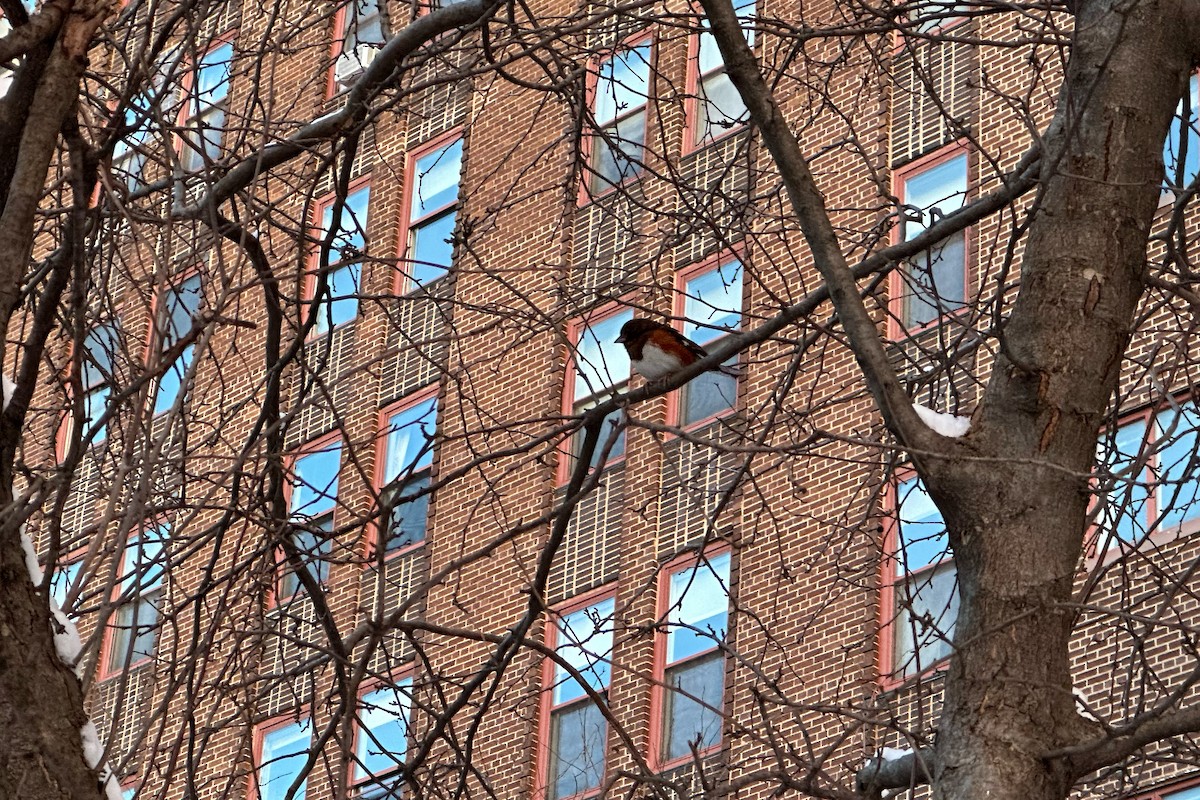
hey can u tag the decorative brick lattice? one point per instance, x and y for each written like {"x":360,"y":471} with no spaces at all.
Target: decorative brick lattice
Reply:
{"x":416,"y":345}
{"x":383,"y":593}
{"x":588,"y":555}
{"x":293,"y":630}
{"x":695,"y":478}
{"x":932,"y":99}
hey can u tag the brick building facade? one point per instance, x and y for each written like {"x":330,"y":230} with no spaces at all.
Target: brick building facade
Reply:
{"x":753,"y":590}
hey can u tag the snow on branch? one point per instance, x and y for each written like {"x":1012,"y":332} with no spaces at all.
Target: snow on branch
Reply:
{"x":949,"y":425}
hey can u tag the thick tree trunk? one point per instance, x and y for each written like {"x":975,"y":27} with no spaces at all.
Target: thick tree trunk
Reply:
{"x":1017,"y":516}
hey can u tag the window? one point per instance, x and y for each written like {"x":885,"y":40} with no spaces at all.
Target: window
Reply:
{"x":1148,"y":474}
{"x":1176,"y":793}
{"x":600,"y":367}
{"x":205,"y":108}
{"x":360,"y":35}
{"x":577,"y":730}
{"x":133,"y":628}
{"x":129,"y":152}
{"x":174,"y":321}
{"x":1181,"y":152}
{"x":314,"y":496}
{"x":697,"y":620}
{"x":339,"y":303}
{"x":933,"y":282}
{"x":712,"y":306}
{"x":407,"y":461}
{"x":64,"y":580}
{"x":283,"y":753}
{"x":96,"y":376}
{"x":922,"y":585}
{"x":431,"y":204}
{"x":718,"y":106}
{"x":621,"y":93}
{"x":382,"y":741}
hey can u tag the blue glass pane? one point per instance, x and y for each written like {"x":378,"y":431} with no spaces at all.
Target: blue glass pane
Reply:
{"x":692,"y":711}
{"x":408,"y":520}
{"x":436,"y":180}
{"x":431,"y":251}
{"x":212,"y":76}
{"x":712,"y":303}
{"x":623,"y":84}
{"x":926,"y":614}
{"x":350,"y":238}
{"x":710,"y":55}
{"x":1177,"y":465}
{"x":410,"y":439}
{"x":708,"y":395}
{"x":618,"y":152}
{"x":1181,"y":152}
{"x":599,"y":361}
{"x":383,"y":731}
{"x":699,"y":608}
{"x":584,"y":640}
{"x":315,"y":482}
{"x":284,"y":753}
{"x":99,"y":355}
{"x":1123,"y":491}
{"x":577,"y":744}
{"x":172,"y":380}
{"x":922,"y":536}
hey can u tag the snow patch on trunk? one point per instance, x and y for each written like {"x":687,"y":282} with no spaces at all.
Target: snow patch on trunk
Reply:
{"x":949,"y":425}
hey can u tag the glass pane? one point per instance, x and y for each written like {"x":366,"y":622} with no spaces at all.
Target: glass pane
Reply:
{"x":436,"y":180}
{"x":171,"y":380}
{"x":144,"y":560}
{"x":408,"y":519}
{"x":135,"y":632}
{"x":921,"y":533}
{"x":65,"y":578}
{"x":183,"y":302}
{"x":584,"y":640}
{"x":94,"y":404}
{"x":710,"y":55}
{"x":284,"y":753}
{"x":720,"y":108}
{"x":927,"y":608}
{"x":410,"y":439}
{"x":212,"y":76}
{"x":699,"y":608}
{"x":314,"y":546}
{"x":382,"y":731}
{"x":100,"y":349}
{"x":623,"y":83}
{"x":315,"y":482}
{"x":1122,"y":493}
{"x":935,"y":278}
{"x":350,"y":239}
{"x":1177,"y":473}
{"x":430,"y":251}
{"x":713,"y":303}
{"x":1181,"y":152}
{"x":708,"y":395}
{"x":618,"y":152}
{"x":577,"y":744}
{"x":693,"y":706}
{"x":1190,"y":793}
{"x":611,"y":420}
{"x":342,"y":305}
{"x":599,"y":361}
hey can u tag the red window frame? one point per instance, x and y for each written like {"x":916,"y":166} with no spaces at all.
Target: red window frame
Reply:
{"x":658,"y":694}
{"x":75,"y":558}
{"x":547,"y":706}
{"x":1169,"y":791}
{"x":66,"y":427}
{"x":282,"y":568}
{"x":575,"y":327}
{"x":588,"y":189}
{"x":261,"y":731}
{"x":108,"y":666}
{"x":405,"y":674}
{"x":898,"y":327}
{"x":317,"y":236}
{"x":404,"y":284}
{"x":692,"y":89}
{"x":154,"y":336}
{"x":381,"y":532}
{"x":1105,"y":546}
{"x":187,"y":104}
{"x":675,"y":400}
{"x":890,"y":581}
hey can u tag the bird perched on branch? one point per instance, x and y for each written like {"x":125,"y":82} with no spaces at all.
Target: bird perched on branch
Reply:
{"x":656,"y":350}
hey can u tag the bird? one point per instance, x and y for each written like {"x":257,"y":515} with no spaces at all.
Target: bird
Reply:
{"x":656,"y":350}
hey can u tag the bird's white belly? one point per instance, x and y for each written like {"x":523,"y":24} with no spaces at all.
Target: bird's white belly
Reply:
{"x":656,"y":363}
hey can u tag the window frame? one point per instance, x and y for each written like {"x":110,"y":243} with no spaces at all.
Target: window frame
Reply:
{"x":689,"y":560}
{"x":693,"y":102}
{"x":282,"y":568}
{"x":66,"y":428}
{"x":891,"y":675}
{"x":898,"y":327}
{"x":1170,"y":192}
{"x":377,"y":549}
{"x":405,"y":283}
{"x":110,"y":666}
{"x":261,"y":731}
{"x":546,"y":704}
{"x":675,"y":399}
{"x":592,"y":133}
{"x":189,"y":102}
{"x":322,"y":322}
{"x":1169,"y":790}
{"x":575,"y":326}
{"x":155,"y":337}
{"x":1103,"y":547}
{"x":341,"y":83}
{"x":403,"y":676}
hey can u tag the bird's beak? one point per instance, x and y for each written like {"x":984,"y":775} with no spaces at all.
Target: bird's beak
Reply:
{"x":620,"y":339}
